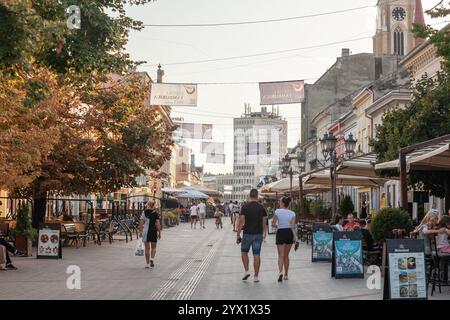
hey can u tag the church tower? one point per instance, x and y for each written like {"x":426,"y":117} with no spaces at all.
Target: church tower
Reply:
{"x":394,"y":27}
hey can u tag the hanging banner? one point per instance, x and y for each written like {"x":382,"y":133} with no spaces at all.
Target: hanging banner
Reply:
{"x":194,"y":131}
{"x":406,"y":279}
{"x":213,"y":147}
{"x":215,"y":158}
{"x":165,"y":94}
{"x":284,"y":92}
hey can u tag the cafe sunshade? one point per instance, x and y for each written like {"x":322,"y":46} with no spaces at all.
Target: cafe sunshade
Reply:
{"x":344,"y":180}
{"x":362,"y":166}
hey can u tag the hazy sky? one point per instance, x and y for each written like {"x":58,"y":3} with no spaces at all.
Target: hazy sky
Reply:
{"x":219,"y":103}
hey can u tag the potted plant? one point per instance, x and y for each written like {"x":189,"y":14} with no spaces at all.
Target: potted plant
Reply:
{"x":24,"y":232}
{"x":385,"y":222}
{"x":346,"y":206}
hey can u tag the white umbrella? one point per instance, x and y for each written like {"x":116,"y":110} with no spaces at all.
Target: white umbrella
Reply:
{"x":192,"y":194}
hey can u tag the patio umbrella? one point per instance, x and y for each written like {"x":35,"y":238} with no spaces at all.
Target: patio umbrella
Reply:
{"x":192,"y":194}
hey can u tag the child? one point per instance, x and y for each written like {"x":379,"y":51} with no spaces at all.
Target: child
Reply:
{"x":218,"y":216}
{"x":442,"y":243}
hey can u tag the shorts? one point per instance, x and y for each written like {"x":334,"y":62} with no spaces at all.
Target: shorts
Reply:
{"x":194,"y":218}
{"x":152,"y":236}
{"x":254,"y":241}
{"x":202,"y":215}
{"x":284,"y":236}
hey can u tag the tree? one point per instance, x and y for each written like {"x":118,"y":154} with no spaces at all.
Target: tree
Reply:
{"x":346,"y":206}
{"x":426,"y":117}
{"x":79,"y":128}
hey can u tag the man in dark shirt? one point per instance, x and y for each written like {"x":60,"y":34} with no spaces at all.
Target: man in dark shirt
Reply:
{"x":253,"y":220}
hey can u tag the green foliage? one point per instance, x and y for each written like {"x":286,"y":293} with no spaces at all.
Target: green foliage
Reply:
{"x":346,"y":206}
{"x":387,"y":220}
{"x":23,"y":224}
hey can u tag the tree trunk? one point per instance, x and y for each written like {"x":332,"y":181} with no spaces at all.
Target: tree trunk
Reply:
{"x":447,"y":192}
{"x":39,"y":208}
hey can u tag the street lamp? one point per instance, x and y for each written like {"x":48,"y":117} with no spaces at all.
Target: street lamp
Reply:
{"x":286,"y":168}
{"x":328,"y":147}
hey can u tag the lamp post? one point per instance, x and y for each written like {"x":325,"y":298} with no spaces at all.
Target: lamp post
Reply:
{"x":286,"y":169}
{"x":328,"y":147}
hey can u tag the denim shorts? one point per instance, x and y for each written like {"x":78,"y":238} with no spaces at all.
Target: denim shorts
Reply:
{"x":254,"y":241}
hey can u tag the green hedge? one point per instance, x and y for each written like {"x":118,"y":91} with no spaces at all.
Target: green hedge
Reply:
{"x":387,"y":220}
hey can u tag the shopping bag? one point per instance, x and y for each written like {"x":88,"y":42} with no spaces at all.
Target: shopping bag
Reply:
{"x":139,"y":251}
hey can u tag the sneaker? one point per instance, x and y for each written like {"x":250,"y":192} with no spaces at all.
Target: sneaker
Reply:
{"x":147,"y":266}
{"x":20,"y":254}
{"x":246,"y":276}
{"x":152,"y":265}
{"x":280,"y":277}
{"x":10,"y":266}
{"x":255,"y":279}
{"x":285,"y":277}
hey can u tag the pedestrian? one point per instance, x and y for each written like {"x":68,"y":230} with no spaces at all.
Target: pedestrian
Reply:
{"x":230,"y":209}
{"x":253,"y":221}
{"x":363,"y":214}
{"x":339,"y":222}
{"x":218,"y":217}
{"x":284,"y":220}
{"x":202,"y":213}
{"x":7,"y":248}
{"x":194,"y":215}
{"x":150,"y":230}
{"x":236,"y":212}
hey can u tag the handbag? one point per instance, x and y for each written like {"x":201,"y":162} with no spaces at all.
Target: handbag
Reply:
{"x":139,"y":251}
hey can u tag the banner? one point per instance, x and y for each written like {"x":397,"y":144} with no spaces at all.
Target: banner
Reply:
{"x":164,"y":94}
{"x":213,"y":147}
{"x":284,"y":92}
{"x":259,"y":148}
{"x":407,"y":270}
{"x":215,"y":158}
{"x":194,"y":131}
{"x":347,"y":255}
{"x":322,"y":242}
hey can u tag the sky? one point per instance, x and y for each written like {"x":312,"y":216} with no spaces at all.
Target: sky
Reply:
{"x":225,"y":86}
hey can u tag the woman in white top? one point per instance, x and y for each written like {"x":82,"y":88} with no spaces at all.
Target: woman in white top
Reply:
{"x":339,"y":223}
{"x":286,"y":235}
{"x":194,"y":215}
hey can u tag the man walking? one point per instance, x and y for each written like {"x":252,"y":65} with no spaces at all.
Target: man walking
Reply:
{"x":253,"y":219}
{"x":202,"y":213}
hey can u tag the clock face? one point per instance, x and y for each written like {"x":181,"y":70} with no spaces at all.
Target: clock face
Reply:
{"x":399,"y":14}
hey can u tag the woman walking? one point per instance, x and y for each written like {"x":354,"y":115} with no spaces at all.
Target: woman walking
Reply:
{"x":150,"y":229}
{"x":285,"y":237}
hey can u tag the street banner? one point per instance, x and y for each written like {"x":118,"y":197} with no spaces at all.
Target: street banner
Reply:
{"x":194,"y":131}
{"x":406,"y":276}
{"x":165,"y":94}
{"x":284,"y":92}
{"x":322,"y":242}
{"x":213,"y":147}
{"x":49,"y":241}
{"x":215,"y":158}
{"x":347,"y":255}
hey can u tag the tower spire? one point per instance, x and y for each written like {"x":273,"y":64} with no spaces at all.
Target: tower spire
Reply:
{"x":420,"y":20}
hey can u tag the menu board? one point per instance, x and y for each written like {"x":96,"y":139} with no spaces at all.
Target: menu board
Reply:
{"x":407,"y":271}
{"x":49,"y":241}
{"x":322,"y":242}
{"x":347,"y":255}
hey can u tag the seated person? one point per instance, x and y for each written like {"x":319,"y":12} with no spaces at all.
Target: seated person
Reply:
{"x":338,"y":223}
{"x":9,"y":248}
{"x":426,"y":229}
{"x":442,"y":242}
{"x":351,"y":224}
{"x":367,"y":236}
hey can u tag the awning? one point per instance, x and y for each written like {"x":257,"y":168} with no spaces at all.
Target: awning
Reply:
{"x":344,"y":180}
{"x":283,"y":186}
{"x":359,"y":166}
{"x":433,"y":157}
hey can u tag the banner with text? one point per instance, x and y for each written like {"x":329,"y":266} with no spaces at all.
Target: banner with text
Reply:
{"x":283,"y":92}
{"x":164,"y":94}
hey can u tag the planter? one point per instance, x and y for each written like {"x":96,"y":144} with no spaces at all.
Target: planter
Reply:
{"x":24,"y":244}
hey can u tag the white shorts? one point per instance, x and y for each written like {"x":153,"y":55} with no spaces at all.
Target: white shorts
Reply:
{"x":202,"y":215}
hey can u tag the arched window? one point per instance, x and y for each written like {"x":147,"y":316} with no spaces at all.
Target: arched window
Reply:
{"x":399,"y":42}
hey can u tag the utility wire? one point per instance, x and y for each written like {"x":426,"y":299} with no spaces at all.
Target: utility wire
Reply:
{"x":257,"y":21}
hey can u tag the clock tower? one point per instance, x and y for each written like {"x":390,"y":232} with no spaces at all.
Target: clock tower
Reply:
{"x":394,"y":27}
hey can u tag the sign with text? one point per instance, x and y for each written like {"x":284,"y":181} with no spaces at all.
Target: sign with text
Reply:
{"x":284,"y":92}
{"x":347,"y":255}
{"x":165,"y":94}
{"x":322,"y":242}
{"x":49,"y":244}
{"x":406,"y":277}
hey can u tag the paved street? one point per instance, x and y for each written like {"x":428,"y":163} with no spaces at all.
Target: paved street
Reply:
{"x":190,"y":264}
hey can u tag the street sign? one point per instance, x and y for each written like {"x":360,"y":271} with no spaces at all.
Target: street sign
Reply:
{"x":405,"y":278}
{"x":49,"y":241}
{"x":322,"y":242}
{"x":347,"y":255}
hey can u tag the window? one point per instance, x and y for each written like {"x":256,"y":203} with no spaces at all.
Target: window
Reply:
{"x":399,"y":42}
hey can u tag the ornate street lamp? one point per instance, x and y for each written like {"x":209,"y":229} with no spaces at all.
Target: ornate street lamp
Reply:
{"x":350,"y":145}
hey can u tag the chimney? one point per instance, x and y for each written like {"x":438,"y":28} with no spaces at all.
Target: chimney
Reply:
{"x":160,"y":75}
{"x":345,"y":52}
{"x":420,"y":20}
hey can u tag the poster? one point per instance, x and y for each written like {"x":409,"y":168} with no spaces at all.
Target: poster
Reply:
{"x":165,"y":94}
{"x":347,"y":255}
{"x":283,"y":92}
{"x":407,"y":271}
{"x":49,"y":240}
{"x":322,"y":246}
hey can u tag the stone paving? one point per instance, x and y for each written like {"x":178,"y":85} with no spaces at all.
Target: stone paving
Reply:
{"x":190,"y":264}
